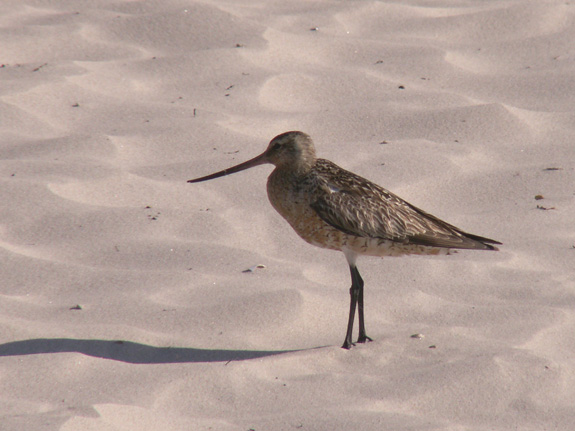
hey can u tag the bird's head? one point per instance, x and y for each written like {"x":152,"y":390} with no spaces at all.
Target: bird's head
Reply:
{"x":291,"y":150}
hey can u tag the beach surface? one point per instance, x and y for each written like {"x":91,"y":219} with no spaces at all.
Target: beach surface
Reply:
{"x":132,"y":300}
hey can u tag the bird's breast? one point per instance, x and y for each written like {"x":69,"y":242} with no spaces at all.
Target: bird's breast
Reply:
{"x":292,"y":198}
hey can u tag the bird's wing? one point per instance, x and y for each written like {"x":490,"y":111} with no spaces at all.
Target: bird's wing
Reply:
{"x":359,"y":207}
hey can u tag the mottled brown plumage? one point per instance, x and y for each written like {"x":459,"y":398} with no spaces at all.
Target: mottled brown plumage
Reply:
{"x":336,"y":209}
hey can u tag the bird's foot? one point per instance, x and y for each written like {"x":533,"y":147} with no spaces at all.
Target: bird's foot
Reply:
{"x":347,"y":345}
{"x":363,"y":339}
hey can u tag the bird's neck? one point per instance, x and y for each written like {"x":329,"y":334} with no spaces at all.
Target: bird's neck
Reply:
{"x":302,"y":167}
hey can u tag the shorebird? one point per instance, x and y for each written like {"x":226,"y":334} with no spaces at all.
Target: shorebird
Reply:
{"x":332,"y":208}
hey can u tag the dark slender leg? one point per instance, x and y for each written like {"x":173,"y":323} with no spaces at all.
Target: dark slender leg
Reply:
{"x":353,"y":293}
{"x":362,"y":335}
{"x":356,"y":298}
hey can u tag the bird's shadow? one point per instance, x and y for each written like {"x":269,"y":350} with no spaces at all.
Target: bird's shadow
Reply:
{"x":130,"y":352}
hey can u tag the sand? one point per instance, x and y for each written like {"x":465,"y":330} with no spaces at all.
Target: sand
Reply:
{"x":124,"y":301}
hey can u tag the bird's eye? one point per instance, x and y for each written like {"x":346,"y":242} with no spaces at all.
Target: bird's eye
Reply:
{"x":276,"y":146}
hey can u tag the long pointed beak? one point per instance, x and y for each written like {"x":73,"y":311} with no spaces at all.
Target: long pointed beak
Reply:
{"x":259,"y":160}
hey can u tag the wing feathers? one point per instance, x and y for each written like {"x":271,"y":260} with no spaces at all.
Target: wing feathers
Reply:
{"x":359,"y":207}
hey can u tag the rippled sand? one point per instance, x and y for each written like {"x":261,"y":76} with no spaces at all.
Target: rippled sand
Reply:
{"x":124,"y":302}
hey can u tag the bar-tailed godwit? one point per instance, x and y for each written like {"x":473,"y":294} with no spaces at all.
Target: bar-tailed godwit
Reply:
{"x":336,"y":209}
